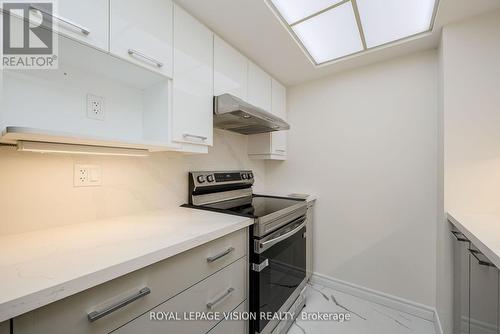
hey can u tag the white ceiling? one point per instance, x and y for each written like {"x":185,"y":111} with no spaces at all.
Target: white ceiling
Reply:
{"x":253,"y":29}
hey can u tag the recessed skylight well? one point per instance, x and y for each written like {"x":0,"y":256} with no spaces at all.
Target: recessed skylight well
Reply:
{"x":329,"y":30}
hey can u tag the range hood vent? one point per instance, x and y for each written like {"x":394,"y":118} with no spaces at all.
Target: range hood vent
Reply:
{"x":234,"y":114}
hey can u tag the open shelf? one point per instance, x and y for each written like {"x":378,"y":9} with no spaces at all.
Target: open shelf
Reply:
{"x":51,"y":105}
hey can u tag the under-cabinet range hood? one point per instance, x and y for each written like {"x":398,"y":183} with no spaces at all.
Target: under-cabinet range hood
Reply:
{"x":234,"y":114}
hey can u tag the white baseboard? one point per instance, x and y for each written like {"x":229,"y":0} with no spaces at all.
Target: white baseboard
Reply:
{"x":396,"y":303}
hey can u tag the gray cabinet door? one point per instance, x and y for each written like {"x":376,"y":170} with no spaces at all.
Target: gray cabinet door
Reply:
{"x":4,"y":327}
{"x":484,"y":288}
{"x":461,"y":283}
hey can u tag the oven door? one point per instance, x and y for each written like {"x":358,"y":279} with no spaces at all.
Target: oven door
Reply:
{"x":278,"y":269}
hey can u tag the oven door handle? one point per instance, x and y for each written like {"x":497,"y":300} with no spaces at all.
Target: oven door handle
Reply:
{"x":262,"y":246}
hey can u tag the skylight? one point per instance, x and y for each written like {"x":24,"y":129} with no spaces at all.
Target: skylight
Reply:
{"x":328,"y":30}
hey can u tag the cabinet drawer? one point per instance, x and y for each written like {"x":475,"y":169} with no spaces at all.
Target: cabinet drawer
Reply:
{"x":221,"y":292}
{"x":230,"y":326}
{"x":165,"y":279}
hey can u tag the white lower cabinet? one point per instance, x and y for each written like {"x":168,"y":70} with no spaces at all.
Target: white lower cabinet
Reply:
{"x":204,"y":273}
{"x":141,"y":32}
{"x":221,"y":292}
{"x":4,"y":327}
{"x":193,"y":84}
{"x":232,"y":326}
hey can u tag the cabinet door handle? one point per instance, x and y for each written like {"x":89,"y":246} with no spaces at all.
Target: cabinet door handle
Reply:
{"x":133,"y":52}
{"x":279,"y":150}
{"x":83,"y":30}
{"x":480,"y":262}
{"x":187,"y":135}
{"x":220,"y":255}
{"x":459,"y":236}
{"x":213,"y":304}
{"x":95,"y":315}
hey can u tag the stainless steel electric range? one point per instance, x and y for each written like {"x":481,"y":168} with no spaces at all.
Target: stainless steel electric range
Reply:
{"x":277,"y":242}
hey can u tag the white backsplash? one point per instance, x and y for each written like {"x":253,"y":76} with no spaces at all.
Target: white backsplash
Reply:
{"x":37,"y":189}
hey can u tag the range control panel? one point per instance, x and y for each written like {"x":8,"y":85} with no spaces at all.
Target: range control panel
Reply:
{"x":228,"y":177}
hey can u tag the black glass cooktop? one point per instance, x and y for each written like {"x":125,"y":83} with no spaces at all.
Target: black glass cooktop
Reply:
{"x":254,"y":207}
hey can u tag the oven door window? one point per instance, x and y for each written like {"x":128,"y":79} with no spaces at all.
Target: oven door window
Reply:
{"x":286,"y":270}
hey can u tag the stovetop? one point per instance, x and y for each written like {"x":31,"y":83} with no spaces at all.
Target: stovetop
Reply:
{"x":255,"y":207}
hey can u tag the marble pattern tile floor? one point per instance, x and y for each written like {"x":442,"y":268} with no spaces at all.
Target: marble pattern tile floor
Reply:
{"x":366,"y":317}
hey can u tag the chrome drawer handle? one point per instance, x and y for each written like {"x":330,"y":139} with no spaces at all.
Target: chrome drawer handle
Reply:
{"x":83,"y":30}
{"x":95,"y":315}
{"x":185,"y":135}
{"x":213,"y":304}
{"x":142,"y":55}
{"x":218,"y":256}
{"x":280,"y":150}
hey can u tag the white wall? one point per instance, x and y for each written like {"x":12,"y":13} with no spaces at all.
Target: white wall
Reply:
{"x":365,"y":142}
{"x":471,"y":52}
{"x":37,"y":189}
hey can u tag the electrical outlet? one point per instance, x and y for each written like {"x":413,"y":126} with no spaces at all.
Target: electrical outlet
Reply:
{"x":95,"y":107}
{"x":87,"y":175}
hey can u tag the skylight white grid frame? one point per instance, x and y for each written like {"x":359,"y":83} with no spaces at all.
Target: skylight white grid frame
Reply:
{"x":366,"y":49}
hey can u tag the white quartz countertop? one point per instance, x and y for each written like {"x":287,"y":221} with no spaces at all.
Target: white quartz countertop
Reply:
{"x":40,"y":267}
{"x":483,"y":230}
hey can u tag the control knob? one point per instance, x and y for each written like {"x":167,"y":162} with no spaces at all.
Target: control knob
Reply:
{"x":210,"y":178}
{"x":244,"y":176}
{"x":201,"y":179}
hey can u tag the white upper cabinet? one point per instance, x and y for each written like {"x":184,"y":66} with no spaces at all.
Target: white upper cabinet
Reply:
{"x":193,"y":88}
{"x":85,"y":21}
{"x":141,"y":32}
{"x":279,"y":143}
{"x":259,"y":87}
{"x":230,"y":70}
{"x":271,"y":146}
{"x":278,"y":97}
{"x":279,"y":138}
